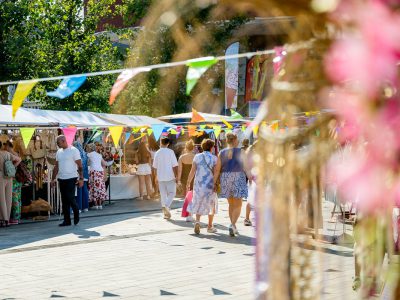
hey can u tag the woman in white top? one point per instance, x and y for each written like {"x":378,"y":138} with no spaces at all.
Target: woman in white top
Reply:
{"x":97,"y":187}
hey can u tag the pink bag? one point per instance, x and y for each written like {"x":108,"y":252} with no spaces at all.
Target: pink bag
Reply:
{"x":188,"y":201}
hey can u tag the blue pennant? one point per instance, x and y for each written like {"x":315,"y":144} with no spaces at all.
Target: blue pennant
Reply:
{"x":67,"y":87}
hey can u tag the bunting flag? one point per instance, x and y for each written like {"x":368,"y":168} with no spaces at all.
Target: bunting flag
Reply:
{"x":115,"y":132}
{"x":97,"y":134}
{"x":196,"y":117}
{"x":227,"y":124}
{"x":217,"y":130}
{"x":255,"y":130}
{"x":208,"y":131}
{"x":243,"y":128}
{"x":122,"y":81}
{"x":127,"y":136}
{"x":136,"y":129}
{"x":173,"y":131}
{"x":197,"y":67}
{"x":183,"y":131}
{"x":69,"y":133}
{"x":192,"y":130}
{"x":67,"y":87}
{"x":26,"y":133}
{"x":157,"y":130}
{"x":235,"y":114}
{"x":22,"y":91}
{"x":149,"y":131}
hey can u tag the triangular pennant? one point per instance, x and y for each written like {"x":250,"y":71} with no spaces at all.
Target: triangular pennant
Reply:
{"x":69,"y":133}
{"x":26,"y":134}
{"x":202,"y":127}
{"x":157,"y":130}
{"x":127,"y":136}
{"x":255,"y":130}
{"x":208,"y":131}
{"x":22,"y":91}
{"x":217,"y":130}
{"x":97,"y":134}
{"x":196,"y":117}
{"x":235,"y":114}
{"x":227,"y":124}
{"x":197,"y":67}
{"x":122,"y":80}
{"x":192,"y":130}
{"x":243,"y":128}
{"x":149,"y":131}
{"x":173,"y":131}
{"x":135,"y":130}
{"x":67,"y":87}
{"x":115,"y":132}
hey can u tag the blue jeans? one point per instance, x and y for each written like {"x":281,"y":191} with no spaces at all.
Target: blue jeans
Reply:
{"x":82,"y":198}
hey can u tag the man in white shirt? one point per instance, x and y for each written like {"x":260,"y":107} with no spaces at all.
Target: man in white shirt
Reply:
{"x":166,"y":167}
{"x":68,"y":165}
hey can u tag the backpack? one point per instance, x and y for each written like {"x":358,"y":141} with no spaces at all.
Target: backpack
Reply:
{"x":22,"y":174}
{"x":9,"y":168}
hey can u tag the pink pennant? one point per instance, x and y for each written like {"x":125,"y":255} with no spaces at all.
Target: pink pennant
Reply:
{"x":122,"y":80}
{"x":69,"y":133}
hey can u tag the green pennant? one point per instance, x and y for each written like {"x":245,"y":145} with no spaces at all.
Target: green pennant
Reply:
{"x":197,"y":67}
{"x":235,"y":114}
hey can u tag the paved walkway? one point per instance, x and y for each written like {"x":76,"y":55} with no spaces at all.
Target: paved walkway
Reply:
{"x":130,"y":252}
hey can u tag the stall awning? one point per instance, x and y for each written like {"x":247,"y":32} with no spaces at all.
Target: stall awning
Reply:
{"x":75,"y":118}
{"x":209,"y":118}
{"x":132,"y":121}
{"x":23,"y":117}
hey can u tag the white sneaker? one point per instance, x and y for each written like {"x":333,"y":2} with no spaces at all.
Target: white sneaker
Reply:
{"x":189,"y":219}
{"x":96,"y":207}
{"x":212,"y":230}
{"x":85,"y":210}
{"x":235,"y":230}
{"x":100,"y":207}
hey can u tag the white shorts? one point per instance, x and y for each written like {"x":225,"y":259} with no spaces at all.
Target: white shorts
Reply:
{"x":143,"y":169}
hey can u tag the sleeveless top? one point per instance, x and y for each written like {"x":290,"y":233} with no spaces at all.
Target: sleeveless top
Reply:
{"x":234,"y":164}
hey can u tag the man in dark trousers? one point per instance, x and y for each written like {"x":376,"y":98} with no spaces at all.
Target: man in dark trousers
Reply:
{"x":68,"y":170}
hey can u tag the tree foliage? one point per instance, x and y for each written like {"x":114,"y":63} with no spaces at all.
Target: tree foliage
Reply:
{"x":58,"y":39}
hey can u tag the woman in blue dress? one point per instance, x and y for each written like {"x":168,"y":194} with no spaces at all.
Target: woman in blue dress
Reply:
{"x":204,"y":197}
{"x":232,"y":178}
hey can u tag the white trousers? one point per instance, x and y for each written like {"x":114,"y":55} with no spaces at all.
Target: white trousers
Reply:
{"x":167,"y":192}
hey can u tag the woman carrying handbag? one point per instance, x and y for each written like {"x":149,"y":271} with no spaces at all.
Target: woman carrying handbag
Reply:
{"x":204,"y":197}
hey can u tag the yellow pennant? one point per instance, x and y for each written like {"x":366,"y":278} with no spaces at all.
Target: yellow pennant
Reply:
{"x":116,"y":132}
{"x":227,"y":124}
{"x":23,"y":90}
{"x":255,"y":130}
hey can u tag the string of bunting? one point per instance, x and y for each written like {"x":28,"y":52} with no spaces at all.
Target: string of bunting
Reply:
{"x":196,"y":68}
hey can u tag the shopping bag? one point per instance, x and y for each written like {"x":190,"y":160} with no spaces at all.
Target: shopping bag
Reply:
{"x":186,"y":204}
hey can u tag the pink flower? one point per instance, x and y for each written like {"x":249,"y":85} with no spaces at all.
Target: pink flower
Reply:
{"x":367,"y":57}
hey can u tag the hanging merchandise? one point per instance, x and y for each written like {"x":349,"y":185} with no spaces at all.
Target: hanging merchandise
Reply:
{"x":67,"y":87}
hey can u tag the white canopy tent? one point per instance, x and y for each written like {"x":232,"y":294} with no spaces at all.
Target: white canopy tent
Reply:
{"x":211,"y":118}
{"x":28,"y":117}
{"x":23,"y":118}
{"x":132,"y":121}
